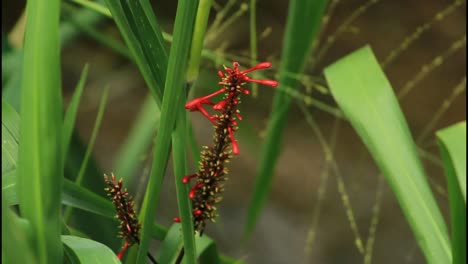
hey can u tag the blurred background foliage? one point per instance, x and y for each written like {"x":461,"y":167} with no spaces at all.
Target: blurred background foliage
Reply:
{"x":420,"y":44}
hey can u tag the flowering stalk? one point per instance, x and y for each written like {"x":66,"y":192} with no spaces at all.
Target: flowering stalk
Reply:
{"x":128,"y":223}
{"x":212,"y":170}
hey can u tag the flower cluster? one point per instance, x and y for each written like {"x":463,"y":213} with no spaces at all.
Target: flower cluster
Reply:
{"x":129,"y":226}
{"x":212,"y":171}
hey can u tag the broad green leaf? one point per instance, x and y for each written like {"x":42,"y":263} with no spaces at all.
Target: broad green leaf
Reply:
{"x":452,"y":144}
{"x":40,"y":161}
{"x":82,"y":250}
{"x":303,"y":22}
{"x":364,"y":94}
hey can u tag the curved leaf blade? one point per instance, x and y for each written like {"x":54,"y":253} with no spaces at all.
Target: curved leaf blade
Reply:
{"x":363,"y":92}
{"x":452,"y":145}
{"x":40,"y":163}
{"x":83,"y":250}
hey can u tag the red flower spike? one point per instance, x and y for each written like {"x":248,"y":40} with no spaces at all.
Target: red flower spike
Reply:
{"x":176,"y":219}
{"x":122,"y":252}
{"x":187,"y":178}
{"x":212,"y":171}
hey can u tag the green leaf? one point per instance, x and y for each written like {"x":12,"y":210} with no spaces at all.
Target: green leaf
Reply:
{"x":201,"y":22}
{"x":303,"y":22}
{"x":73,"y":195}
{"x":89,"y":148}
{"x":180,"y":170}
{"x":142,"y":34}
{"x":70,"y":115}
{"x":40,"y":163}
{"x":82,"y":250}
{"x":77,"y":197}
{"x":172,"y":102}
{"x":362,"y":91}
{"x":15,"y":239}
{"x":10,"y":134}
{"x":172,"y":245}
{"x":452,"y":145}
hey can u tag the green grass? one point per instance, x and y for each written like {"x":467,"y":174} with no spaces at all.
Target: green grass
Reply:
{"x":40,"y":150}
{"x":45,"y":169}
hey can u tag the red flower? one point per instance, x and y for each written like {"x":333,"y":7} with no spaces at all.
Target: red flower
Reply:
{"x":212,"y":172}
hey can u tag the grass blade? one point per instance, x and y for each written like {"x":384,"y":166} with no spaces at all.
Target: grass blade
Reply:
{"x":82,"y":250}
{"x":174,"y":89}
{"x":138,"y":26}
{"x":198,"y":39}
{"x":304,"y":17}
{"x":452,"y":145}
{"x":70,"y":115}
{"x":364,"y":94}
{"x":180,"y":170}
{"x":40,"y":161}
{"x":89,"y":149}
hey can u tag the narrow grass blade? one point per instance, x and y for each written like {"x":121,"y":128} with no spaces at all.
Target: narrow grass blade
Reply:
{"x":139,"y":139}
{"x":304,"y":17}
{"x":180,"y":170}
{"x":40,"y":161}
{"x":198,"y":38}
{"x":452,"y":145}
{"x":15,"y":242}
{"x":82,"y":250}
{"x":70,"y":115}
{"x":138,"y":26}
{"x":364,"y":94}
{"x":96,"y":7}
{"x":174,"y":89}
{"x":90,"y":147}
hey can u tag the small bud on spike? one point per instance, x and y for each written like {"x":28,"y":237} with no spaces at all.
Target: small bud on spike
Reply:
{"x":176,"y":220}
